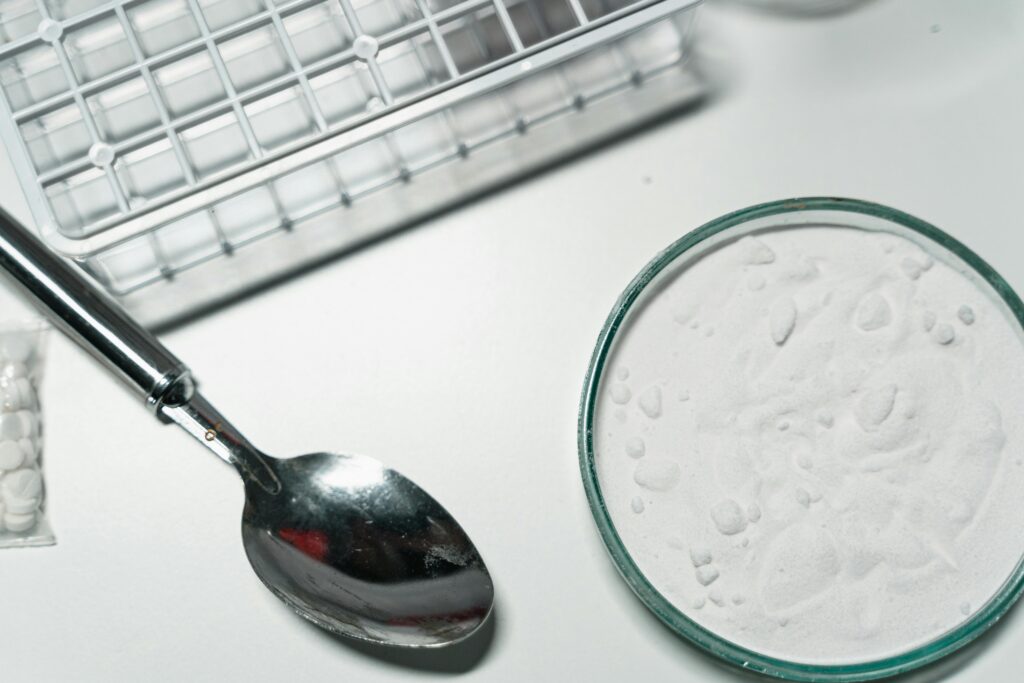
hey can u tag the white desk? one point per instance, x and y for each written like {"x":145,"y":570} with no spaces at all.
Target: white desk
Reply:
{"x":456,"y":353}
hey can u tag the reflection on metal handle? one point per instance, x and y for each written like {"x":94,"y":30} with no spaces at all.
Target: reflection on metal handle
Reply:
{"x":94,"y":321}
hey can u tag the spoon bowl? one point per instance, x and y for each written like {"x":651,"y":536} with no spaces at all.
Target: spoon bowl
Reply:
{"x":361,"y":550}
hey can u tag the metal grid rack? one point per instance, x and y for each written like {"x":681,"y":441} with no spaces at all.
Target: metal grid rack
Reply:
{"x":157,"y":140}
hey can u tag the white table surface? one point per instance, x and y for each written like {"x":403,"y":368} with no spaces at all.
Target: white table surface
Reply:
{"x":456,"y":353}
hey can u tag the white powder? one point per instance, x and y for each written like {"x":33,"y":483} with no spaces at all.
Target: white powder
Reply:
{"x":839,"y":480}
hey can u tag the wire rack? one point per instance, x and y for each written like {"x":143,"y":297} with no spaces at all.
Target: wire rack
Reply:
{"x":160,"y":141}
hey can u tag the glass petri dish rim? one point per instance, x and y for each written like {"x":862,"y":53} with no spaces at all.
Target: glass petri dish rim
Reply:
{"x":704,"y":639}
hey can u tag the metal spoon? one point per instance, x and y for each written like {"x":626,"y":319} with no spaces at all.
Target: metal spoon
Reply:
{"x":352,"y":546}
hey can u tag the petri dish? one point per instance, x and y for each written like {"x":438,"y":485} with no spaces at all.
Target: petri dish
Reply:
{"x":682,"y":603}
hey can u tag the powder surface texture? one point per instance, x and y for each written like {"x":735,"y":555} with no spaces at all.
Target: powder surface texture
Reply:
{"x":835,"y":475}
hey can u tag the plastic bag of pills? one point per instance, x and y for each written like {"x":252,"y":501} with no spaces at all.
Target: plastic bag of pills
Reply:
{"x":22,"y":507}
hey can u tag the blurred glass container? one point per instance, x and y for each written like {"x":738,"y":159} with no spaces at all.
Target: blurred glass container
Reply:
{"x":805,"y":7}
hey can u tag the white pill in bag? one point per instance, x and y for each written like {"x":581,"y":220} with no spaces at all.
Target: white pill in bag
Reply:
{"x":12,"y":455}
{"x":30,"y":447}
{"x":11,"y":427}
{"x":22,"y":506}
{"x":10,"y":399}
{"x":24,"y":483}
{"x":19,"y":522}
{"x":29,"y":424}
{"x":16,"y":393}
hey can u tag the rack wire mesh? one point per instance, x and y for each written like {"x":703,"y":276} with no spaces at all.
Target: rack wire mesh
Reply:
{"x":160,"y":141}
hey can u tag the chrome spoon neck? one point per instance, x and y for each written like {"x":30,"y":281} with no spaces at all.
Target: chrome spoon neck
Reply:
{"x":87,"y":315}
{"x":198,"y":417}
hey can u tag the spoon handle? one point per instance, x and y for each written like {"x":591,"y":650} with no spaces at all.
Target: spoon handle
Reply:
{"x":99,"y":325}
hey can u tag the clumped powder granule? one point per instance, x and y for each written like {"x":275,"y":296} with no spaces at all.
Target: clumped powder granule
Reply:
{"x":834,"y":476}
